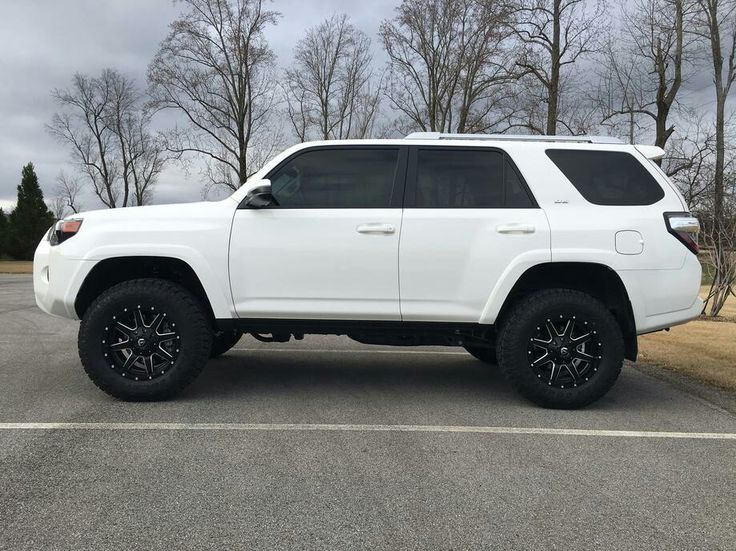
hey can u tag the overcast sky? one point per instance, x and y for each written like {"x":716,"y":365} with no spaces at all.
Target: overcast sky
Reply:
{"x":44,"y":42}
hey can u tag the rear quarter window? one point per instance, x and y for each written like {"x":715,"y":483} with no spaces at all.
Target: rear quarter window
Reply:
{"x":607,"y":177}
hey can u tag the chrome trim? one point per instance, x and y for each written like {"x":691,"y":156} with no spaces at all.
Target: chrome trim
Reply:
{"x":687,"y":224}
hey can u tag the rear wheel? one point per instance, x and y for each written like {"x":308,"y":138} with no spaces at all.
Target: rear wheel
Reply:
{"x":561,"y":348}
{"x":144,"y":339}
{"x":487,"y":355}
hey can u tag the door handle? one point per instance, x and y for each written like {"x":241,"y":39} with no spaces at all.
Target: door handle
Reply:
{"x":515,"y":228}
{"x":375,"y":228}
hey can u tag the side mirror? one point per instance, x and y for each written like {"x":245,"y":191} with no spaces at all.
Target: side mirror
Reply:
{"x":259,"y":198}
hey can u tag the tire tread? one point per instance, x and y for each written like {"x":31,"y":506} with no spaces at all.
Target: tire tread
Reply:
{"x":185,"y":373}
{"x":509,"y":341}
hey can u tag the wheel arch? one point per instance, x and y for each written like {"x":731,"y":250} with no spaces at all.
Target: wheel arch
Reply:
{"x":114,"y":270}
{"x":597,"y":280}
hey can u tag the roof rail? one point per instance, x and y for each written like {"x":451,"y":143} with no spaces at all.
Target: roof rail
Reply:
{"x":513,"y":137}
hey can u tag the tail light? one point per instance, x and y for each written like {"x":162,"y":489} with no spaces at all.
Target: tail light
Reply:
{"x":685,"y":227}
{"x":63,"y":230}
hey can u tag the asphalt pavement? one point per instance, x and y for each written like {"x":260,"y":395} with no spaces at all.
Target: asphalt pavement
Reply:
{"x":329,"y":444}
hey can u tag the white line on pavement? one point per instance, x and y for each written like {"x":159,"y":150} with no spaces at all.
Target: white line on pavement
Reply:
{"x":280,"y":427}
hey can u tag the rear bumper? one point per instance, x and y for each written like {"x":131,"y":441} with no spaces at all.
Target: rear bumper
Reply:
{"x":664,"y":298}
{"x":670,"y":319}
{"x":57,"y":280}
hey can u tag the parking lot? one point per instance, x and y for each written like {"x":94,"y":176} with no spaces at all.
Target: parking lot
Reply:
{"x":329,"y":444}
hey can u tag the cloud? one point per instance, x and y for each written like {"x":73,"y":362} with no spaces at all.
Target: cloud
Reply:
{"x":44,"y":43}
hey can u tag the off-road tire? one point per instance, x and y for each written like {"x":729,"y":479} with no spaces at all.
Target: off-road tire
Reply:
{"x":222,"y":341}
{"x":194,"y":340}
{"x":516,"y":337}
{"x":486,"y":355}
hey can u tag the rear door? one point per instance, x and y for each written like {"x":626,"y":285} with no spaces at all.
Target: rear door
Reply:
{"x":469,"y":219}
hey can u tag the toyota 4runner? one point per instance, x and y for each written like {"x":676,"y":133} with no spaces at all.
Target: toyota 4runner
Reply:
{"x":545,"y":255}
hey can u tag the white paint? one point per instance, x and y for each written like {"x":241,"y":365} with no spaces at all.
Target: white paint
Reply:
{"x":325,"y":427}
{"x":315,"y":264}
{"x":452,"y":259}
{"x":651,"y":152}
{"x":195,"y":233}
{"x":439,"y":265}
{"x":629,"y":242}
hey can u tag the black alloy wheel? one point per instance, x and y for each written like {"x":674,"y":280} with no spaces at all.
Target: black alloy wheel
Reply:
{"x":560,"y":348}
{"x":145,"y":339}
{"x":565,"y":351}
{"x":141,"y":343}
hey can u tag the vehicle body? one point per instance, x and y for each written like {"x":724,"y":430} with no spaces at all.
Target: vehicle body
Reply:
{"x":429,"y":240}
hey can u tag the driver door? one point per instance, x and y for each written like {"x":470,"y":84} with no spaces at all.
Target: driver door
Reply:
{"x":329,"y":248}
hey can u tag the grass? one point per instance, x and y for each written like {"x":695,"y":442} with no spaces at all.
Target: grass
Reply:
{"x":729,"y":309}
{"x":16,"y":267}
{"x":703,"y":349}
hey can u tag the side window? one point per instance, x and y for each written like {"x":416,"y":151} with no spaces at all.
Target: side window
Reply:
{"x":516,"y":194}
{"x":336,"y":178}
{"x":467,"y":178}
{"x":607,"y":177}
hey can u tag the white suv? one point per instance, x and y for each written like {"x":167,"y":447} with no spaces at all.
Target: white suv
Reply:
{"x":547,"y":255}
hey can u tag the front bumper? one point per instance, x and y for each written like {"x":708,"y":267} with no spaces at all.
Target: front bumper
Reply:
{"x":57,"y":279}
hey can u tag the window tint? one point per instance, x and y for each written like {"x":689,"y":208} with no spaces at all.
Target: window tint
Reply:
{"x":607,"y":177}
{"x":516,"y":194}
{"x":336,"y":178}
{"x":464,"y":178}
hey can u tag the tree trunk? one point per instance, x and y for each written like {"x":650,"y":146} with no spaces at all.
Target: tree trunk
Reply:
{"x":718,"y":178}
{"x":665,"y":99}
{"x":242,"y":163}
{"x":632,"y":125}
{"x":553,"y":90}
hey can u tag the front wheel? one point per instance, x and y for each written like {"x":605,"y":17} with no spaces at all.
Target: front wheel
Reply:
{"x":144,"y":339}
{"x":561,"y":348}
{"x":222,"y":341}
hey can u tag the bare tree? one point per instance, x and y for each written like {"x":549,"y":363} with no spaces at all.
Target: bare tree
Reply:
{"x":719,"y":234}
{"x":83,"y":126}
{"x":65,"y":199}
{"x":715,"y":24}
{"x":329,"y":88}
{"x":689,"y":164}
{"x":450,"y":64}
{"x":723,"y":260}
{"x":620,"y":95}
{"x":140,"y":154}
{"x":103,"y":122}
{"x":555,"y":34}
{"x":644,"y":67}
{"x":216,"y":69}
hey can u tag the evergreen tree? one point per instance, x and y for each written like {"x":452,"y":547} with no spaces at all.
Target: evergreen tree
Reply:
{"x":3,"y":232}
{"x":30,"y":218}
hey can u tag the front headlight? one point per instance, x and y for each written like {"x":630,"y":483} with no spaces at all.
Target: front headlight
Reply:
{"x":63,"y":230}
